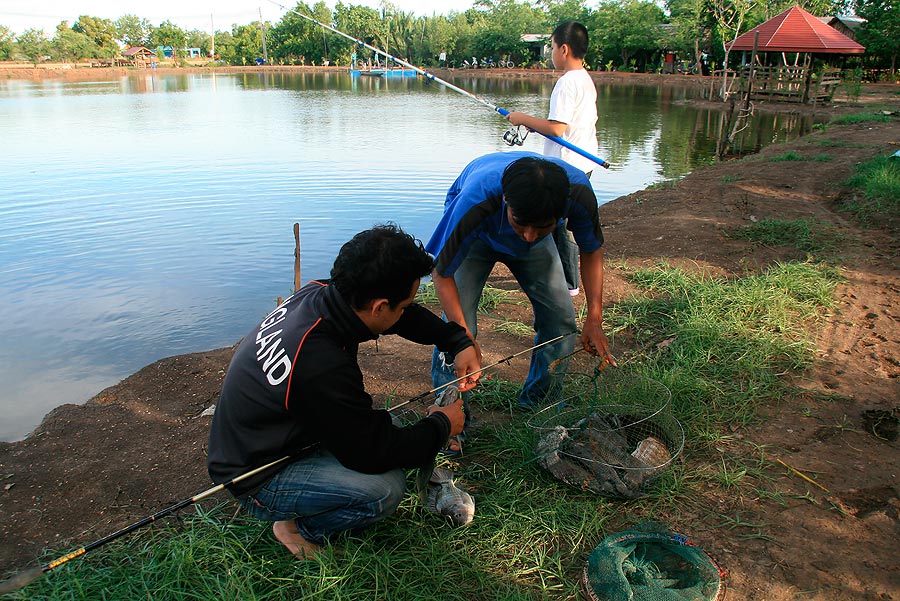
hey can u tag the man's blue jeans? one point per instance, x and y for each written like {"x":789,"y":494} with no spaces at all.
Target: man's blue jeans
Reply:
{"x":324,"y":498}
{"x":540,"y":275}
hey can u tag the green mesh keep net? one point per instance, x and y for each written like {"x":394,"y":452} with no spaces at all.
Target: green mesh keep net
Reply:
{"x":650,"y":565}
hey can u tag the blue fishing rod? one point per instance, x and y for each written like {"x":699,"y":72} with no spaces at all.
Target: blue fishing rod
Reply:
{"x":510,"y":137}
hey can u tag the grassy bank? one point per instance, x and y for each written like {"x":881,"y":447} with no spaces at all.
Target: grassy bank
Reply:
{"x":723,"y":347}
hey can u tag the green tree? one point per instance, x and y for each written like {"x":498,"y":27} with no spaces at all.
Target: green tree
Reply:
{"x":33,"y":45}
{"x":693,"y":27}
{"x":881,"y":32}
{"x":564,"y":10}
{"x":102,"y":32}
{"x":132,"y":30}
{"x":629,"y":30}
{"x":7,"y":43}
{"x":197,"y":38}
{"x":247,"y":44}
{"x":168,"y":34}
{"x":505,"y":22}
{"x":70,"y":45}
{"x":294,"y":37}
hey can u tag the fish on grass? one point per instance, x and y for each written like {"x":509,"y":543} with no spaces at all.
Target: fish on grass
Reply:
{"x":437,"y":490}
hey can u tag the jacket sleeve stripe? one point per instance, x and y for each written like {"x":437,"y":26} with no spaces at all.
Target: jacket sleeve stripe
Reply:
{"x":287,"y":394}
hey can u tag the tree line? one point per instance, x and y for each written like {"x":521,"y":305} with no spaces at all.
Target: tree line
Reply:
{"x":626,"y":35}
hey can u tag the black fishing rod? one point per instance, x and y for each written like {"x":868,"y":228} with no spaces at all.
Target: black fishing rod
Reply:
{"x":432,"y":77}
{"x":28,"y":576}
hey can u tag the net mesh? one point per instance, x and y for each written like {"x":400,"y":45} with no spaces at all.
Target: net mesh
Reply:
{"x":608,"y":431}
{"x":651,"y":564}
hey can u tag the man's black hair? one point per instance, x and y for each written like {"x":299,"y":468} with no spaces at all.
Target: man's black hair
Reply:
{"x":574,"y":34}
{"x":537,"y":190}
{"x":382,"y":262}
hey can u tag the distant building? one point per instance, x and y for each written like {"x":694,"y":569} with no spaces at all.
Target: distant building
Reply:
{"x":139,"y":56}
{"x":538,"y":45}
{"x":845,"y":24}
{"x":193,"y":52}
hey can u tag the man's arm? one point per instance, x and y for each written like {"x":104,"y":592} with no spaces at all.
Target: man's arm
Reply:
{"x":544,"y":127}
{"x":448,"y":295}
{"x":592,"y":336}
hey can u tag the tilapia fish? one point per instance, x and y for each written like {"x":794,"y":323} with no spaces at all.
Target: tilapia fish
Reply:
{"x":437,"y":491}
{"x":445,"y":498}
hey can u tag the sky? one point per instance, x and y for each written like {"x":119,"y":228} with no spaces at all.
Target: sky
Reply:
{"x":19,"y":15}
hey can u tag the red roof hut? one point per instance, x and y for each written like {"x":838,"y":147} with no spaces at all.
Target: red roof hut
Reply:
{"x":794,"y":31}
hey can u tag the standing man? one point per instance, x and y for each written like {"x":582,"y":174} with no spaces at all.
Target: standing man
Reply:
{"x":573,"y":117}
{"x":294,"y":388}
{"x":503,"y":208}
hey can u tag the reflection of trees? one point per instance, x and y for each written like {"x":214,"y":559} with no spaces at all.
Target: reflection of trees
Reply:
{"x":628,"y":118}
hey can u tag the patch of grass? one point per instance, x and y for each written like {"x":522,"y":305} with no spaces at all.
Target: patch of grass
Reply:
{"x":731,"y":338}
{"x":822,"y":158}
{"x":879,"y":181}
{"x":516,"y":328}
{"x":806,"y":235}
{"x":854,"y":118}
{"x":427,"y":295}
{"x":666,"y":184}
{"x":787,"y":156}
{"x":835,"y":143}
{"x":491,"y":297}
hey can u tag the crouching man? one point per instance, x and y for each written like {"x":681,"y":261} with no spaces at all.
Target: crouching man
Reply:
{"x":295,"y":388}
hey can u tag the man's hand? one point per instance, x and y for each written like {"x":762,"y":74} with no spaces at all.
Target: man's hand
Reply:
{"x":454,"y":413}
{"x":516,"y":118}
{"x":594,"y":340}
{"x":468,"y":361}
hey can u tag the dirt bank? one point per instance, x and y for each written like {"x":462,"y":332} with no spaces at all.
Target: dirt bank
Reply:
{"x":140,"y":445}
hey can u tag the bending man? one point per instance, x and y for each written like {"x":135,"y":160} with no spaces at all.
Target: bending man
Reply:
{"x":503,"y":208}
{"x":294,"y":387}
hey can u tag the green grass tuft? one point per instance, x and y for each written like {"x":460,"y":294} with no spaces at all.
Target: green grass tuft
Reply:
{"x":806,"y":235}
{"x":854,"y":118}
{"x":879,"y":180}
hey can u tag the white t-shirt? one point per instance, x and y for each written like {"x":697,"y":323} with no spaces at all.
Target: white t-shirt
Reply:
{"x":574,"y":102}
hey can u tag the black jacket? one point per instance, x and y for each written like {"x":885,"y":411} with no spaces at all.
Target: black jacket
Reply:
{"x":294,"y":382}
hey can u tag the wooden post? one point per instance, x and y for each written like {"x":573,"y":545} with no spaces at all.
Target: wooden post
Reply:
{"x":296,"y":257}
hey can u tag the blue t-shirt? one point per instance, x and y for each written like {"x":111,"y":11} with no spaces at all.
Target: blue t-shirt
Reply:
{"x":474,"y":210}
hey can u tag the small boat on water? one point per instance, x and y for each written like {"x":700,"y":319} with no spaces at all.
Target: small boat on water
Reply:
{"x":395,"y":72}
{"x":368,"y":69}
{"x":368,"y":72}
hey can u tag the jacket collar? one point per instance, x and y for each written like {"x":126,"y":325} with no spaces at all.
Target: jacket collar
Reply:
{"x":345,"y":320}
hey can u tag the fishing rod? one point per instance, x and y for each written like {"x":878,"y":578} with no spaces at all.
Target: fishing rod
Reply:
{"x":28,"y":576}
{"x":432,"y":77}
{"x":478,"y":371}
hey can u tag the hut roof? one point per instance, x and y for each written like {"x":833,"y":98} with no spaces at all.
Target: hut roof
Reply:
{"x":138,"y":50}
{"x":795,"y":30}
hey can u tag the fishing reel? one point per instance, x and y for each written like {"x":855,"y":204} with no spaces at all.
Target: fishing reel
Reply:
{"x":515,"y":135}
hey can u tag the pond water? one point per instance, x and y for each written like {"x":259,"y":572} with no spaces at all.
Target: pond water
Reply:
{"x":151,"y":215}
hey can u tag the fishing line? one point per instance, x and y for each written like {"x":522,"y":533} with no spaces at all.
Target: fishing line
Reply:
{"x":491,"y":366}
{"x":431,"y":77}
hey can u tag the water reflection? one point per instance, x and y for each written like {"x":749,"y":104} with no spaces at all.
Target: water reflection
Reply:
{"x":150,"y":215}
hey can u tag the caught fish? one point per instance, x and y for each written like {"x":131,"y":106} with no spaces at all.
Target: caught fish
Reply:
{"x":437,"y":490}
{"x":445,"y":498}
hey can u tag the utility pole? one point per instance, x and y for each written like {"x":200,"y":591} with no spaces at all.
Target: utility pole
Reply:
{"x":262,"y":24}
{"x":212,"y":35}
